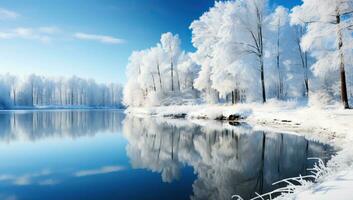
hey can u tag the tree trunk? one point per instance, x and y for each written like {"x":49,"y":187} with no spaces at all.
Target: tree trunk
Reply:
{"x":344,"y":96}
{"x":177,"y":74}
{"x":32,"y":94}
{"x":233,"y":98}
{"x":261,"y":53}
{"x":154,"y":84}
{"x":171,"y":74}
{"x":14,"y":96}
{"x":280,"y":84}
{"x":306,"y":78}
{"x":263,"y":83}
{"x":236,"y":96}
{"x":60,"y":100}
{"x":159,"y":75}
{"x":72,"y":97}
{"x":112,"y":97}
{"x":304,"y":62}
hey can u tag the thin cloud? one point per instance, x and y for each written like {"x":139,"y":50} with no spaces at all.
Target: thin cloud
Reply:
{"x":26,"y":179}
{"x":49,"y":29}
{"x":46,"y":34}
{"x":102,"y":170}
{"x":42,"y":34}
{"x":99,"y":38}
{"x":8,"y":14}
{"x":47,"y":182}
{"x":24,"y":32}
{"x":6,"y":177}
{"x":23,"y":180}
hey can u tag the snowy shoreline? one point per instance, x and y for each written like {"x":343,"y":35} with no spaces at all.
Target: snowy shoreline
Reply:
{"x":332,"y":125}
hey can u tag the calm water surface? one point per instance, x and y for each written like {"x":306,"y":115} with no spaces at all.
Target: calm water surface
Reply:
{"x":105,"y":155}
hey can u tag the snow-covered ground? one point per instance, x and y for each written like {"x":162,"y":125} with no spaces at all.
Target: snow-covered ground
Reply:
{"x":330,"y":124}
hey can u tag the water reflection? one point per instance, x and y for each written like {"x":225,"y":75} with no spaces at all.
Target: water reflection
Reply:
{"x":226,"y":159}
{"x":174,"y":159}
{"x":34,"y":125}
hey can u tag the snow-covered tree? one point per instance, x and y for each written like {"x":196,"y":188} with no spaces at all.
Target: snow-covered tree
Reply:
{"x":219,"y":53}
{"x":252,"y":17}
{"x":328,"y":37}
{"x":171,"y":44}
{"x":246,"y":51}
{"x":187,"y":70}
{"x":304,"y":57}
{"x":5,"y":90}
{"x":285,"y":59}
{"x":240,"y":46}
{"x":160,"y":75}
{"x":134,"y":91}
{"x":36,"y":90}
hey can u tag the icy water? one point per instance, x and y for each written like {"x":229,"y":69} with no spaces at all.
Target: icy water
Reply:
{"x":105,"y":155}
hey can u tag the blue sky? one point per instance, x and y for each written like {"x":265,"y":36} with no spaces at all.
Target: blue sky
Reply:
{"x":90,"y":38}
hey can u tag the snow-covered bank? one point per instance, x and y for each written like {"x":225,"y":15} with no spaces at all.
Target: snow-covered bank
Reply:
{"x":291,"y":116}
{"x":213,"y":112}
{"x":331,"y":124}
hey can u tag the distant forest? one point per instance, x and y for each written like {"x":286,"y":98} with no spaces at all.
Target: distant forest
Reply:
{"x":39,"y":91}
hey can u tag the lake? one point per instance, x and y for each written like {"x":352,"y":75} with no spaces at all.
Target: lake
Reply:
{"x":105,"y":155}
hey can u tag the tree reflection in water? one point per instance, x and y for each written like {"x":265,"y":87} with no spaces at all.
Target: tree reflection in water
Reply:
{"x":35,"y":125}
{"x":227,"y":159}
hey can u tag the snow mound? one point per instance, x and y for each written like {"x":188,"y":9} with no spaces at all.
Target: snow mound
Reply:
{"x":210,"y":112}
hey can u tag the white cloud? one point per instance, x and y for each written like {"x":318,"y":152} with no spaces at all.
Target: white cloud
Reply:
{"x":5,"y":35}
{"x":6,"y":177}
{"x":8,"y":14}
{"x":48,"y":182}
{"x":26,"y":179}
{"x":49,"y":29}
{"x":99,"y":38}
{"x":42,"y":34}
{"x":23,"y":180}
{"x":46,"y":34}
{"x":24,"y":32}
{"x":102,"y":170}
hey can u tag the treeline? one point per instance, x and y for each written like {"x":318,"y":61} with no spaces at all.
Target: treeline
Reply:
{"x":247,"y":51}
{"x":39,"y":91}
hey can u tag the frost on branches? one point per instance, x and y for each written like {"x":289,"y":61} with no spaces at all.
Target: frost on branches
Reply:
{"x":245,"y":52}
{"x":328,"y":38}
{"x":161,"y":75}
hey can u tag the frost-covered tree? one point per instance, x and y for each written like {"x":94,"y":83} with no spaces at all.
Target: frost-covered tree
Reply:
{"x":252,"y":18}
{"x":328,"y":37}
{"x":133,"y":92}
{"x":34,"y":91}
{"x":151,"y":70}
{"x":171,"y":44}
{"x":224,"y":63}
{"x":236,"y":42}
{"x":279,"y":20}
{"x":187,"y":70}
{"x":304,"y":57}
{"x":5,"y":90}
{"x":284,"y":57}
{"x":246,"y":51}
{"x":156,"y":56}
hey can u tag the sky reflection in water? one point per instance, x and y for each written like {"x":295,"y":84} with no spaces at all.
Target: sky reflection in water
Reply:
{"x":107,"y":155}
